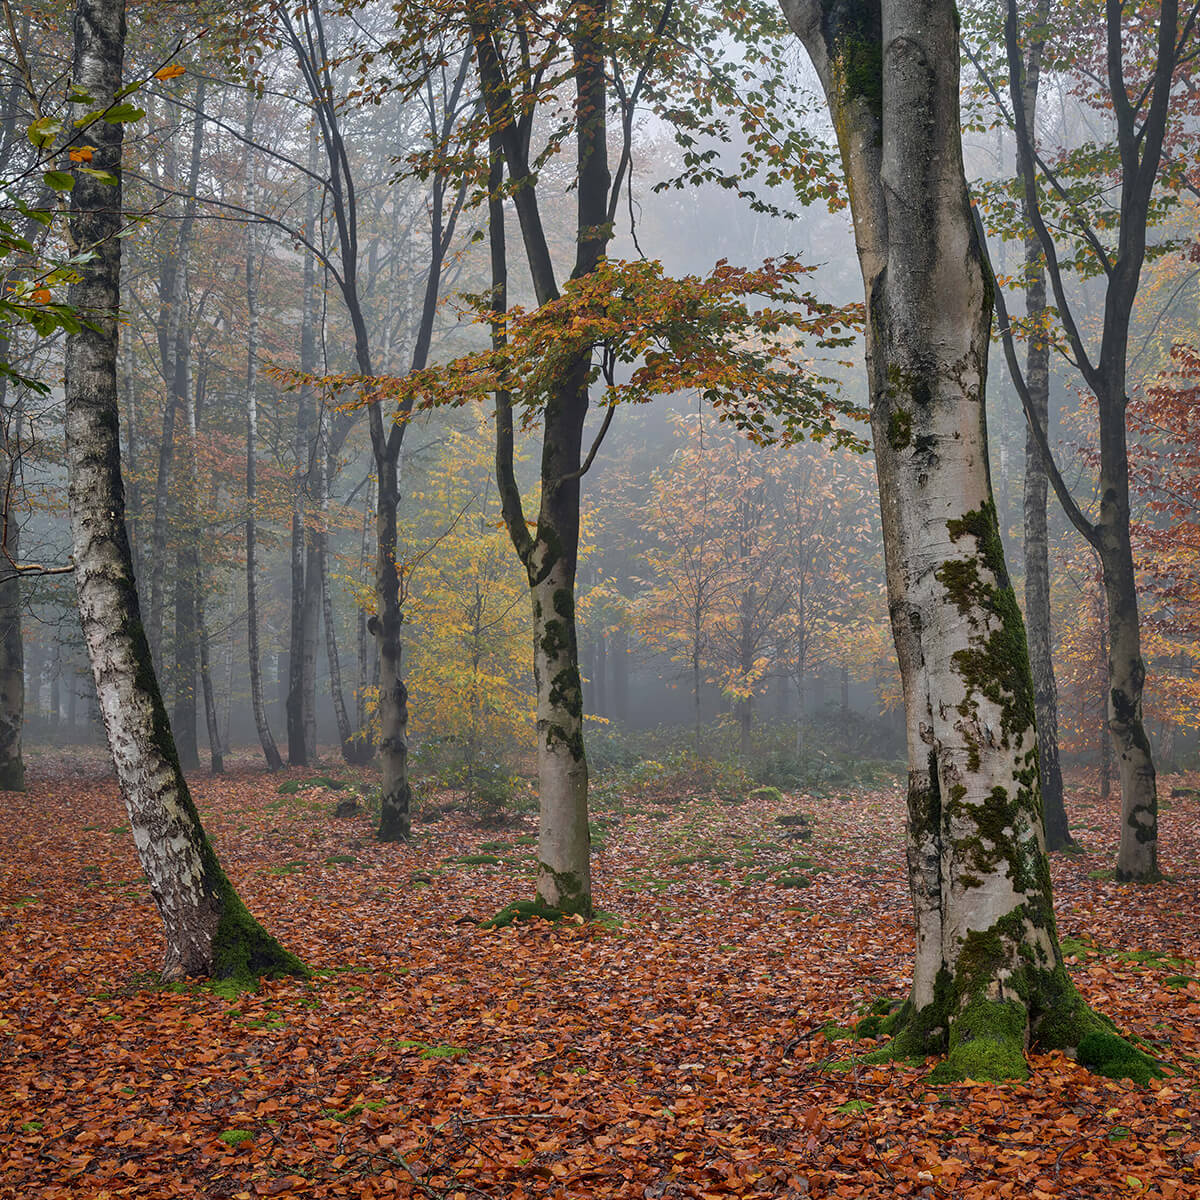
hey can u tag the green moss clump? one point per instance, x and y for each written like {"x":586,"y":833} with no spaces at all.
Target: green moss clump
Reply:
{"x":1112,"y":1056}
{"x":234,"y":1137}
{"x":523,"y":910}
{"x":476,"y":860}
{"x":900,"y":429}
{"x":793,"y":881}
{"x":771,"y":794}
{"x":987,"y":1041}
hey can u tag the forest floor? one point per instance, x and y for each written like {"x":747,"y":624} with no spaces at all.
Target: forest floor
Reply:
{"x":680,"y":1047}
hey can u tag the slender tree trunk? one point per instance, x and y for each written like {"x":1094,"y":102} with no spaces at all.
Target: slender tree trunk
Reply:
{"x":313,"y":591}
{"x":365,"y":678}
{"x":1037,"y":545}
{"x":620,"y":676}
{"x":186,"y":656}
{"x":211,"y":724}
{"x":173,"y":281}
{"x":300,"y":696}
{"x":395,"y":792}
{"x":988,"y":977}
{"x":1137,"y":855}
{"x":132,"y":434}
{"x":208,"y":929}
{"x":12,"y":646}
{"x":345,"y":732}
{"x":261,"y":723}
{"x":12,"y":663}
{"x":800,"y":701}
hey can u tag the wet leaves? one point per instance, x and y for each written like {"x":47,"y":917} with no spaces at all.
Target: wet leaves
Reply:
{"x":685,"y":1052}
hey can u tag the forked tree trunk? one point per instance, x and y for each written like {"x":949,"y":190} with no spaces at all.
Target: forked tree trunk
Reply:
{"x":1140,"y":124}
{"x":208,"y":929}
{"x":988,"y":979}
{"x":550,"y":554}
{"x":550,"y":557}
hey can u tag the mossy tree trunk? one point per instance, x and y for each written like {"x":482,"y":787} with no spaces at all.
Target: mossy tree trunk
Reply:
{"x":208,"y":929}
{"x":988,"y":978}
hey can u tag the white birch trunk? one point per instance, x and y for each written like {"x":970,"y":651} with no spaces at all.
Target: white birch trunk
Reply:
{"x":208,"y":930}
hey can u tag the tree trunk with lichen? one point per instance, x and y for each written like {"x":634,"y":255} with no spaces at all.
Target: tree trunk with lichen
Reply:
{"x":208,"y":929}
{"x":988,"y":980}
{"x":564,"y":868}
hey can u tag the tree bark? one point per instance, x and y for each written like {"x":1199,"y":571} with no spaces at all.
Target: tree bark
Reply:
{"x":988,"y":978}
{"x":1037,"y":545}
{"x":208,"y":929}
{"x":215,"y":752}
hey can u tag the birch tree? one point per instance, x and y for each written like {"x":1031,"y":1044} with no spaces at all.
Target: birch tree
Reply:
{"x":208,"y":929}
{"x":988,"y":980}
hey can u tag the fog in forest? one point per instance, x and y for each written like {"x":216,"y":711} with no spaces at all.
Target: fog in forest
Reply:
{"x":730,"y":590}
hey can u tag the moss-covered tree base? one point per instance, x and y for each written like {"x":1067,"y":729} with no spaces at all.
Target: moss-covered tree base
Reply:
{"x":243,"y":951}
{"x":987,"y":1039}
{"x":523,"y":910}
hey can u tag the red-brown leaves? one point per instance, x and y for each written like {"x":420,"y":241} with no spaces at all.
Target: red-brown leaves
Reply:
{"x":680,"y":1054}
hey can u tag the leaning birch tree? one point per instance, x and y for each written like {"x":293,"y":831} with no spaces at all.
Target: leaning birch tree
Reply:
{"x":208,"y":929}
{"x":988,"y":980}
